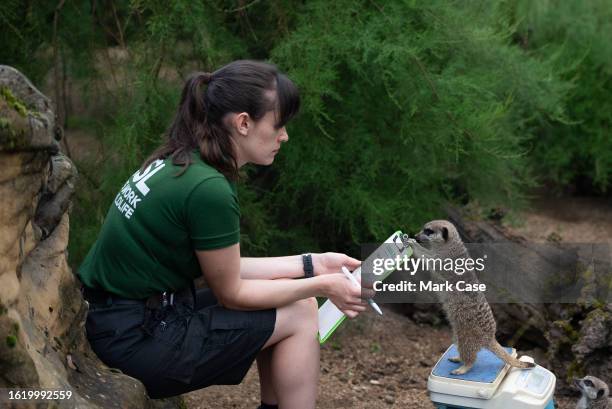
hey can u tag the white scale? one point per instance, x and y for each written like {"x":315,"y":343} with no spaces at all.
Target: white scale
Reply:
{"x":490,"y":384}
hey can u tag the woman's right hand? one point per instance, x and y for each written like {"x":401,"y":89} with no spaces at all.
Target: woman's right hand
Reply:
{"x":344,"y":294}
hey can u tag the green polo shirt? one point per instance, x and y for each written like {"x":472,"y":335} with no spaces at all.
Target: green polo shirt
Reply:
{"x":156,"y":222}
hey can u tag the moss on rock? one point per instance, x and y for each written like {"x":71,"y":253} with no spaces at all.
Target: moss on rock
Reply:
{"x":13,"y":102}
{"x":568,"y":330}
{"x":11,"y":341}
{"x":13,"y":126}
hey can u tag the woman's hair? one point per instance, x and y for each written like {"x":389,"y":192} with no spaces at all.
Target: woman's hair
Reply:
{"x":240,"y":86}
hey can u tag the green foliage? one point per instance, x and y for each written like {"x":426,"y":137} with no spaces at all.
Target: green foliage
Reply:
{"x":21,"y":33}
{"x":406,"y":105}
{"x":129,"y":136}
{"x":171,"y":43}
{"x":575,"y":36}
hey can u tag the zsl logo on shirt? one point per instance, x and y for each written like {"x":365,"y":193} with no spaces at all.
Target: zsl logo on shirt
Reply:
{"x":128,"y":198}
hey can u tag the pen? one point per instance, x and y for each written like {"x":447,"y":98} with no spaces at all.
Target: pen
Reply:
{"x":351,"y":277}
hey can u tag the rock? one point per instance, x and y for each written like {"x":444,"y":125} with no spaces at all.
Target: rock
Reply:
{"x":42,"y":313}
{"x":28,"y":119}
{"x":56,"y":195}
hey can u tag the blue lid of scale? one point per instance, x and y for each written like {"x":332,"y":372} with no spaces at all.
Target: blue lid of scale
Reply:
{"x":485,"y":370}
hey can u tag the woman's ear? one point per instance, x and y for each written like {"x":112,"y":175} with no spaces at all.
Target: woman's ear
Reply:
{"x":241,"y":123}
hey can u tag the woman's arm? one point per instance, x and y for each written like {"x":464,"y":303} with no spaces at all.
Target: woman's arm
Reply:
{"x":221,"y":269}
{"x":267,"y":268}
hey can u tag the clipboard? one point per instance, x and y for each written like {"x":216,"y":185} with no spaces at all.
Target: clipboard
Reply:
{"x":330,"y":317}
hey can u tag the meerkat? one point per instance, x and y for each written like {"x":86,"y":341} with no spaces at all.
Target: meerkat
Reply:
{"x":595,"y":393}
{"x":469,"y":313}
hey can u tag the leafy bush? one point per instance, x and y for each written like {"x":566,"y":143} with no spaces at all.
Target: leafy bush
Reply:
{"x":406,"y":105}
{"x":575,"y":36}
{"x":405,"y":108}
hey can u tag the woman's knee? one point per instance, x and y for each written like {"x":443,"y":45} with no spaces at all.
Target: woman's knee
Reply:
{"x":296,"y":318}
{"x":308,"y":304}
{"x":309,"y":312}
{"x":303,"y":314}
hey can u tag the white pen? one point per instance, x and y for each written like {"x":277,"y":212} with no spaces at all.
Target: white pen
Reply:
{"x":351,"y":277}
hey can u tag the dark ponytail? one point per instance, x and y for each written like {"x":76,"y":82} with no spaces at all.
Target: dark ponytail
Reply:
{"x":207,"y":97}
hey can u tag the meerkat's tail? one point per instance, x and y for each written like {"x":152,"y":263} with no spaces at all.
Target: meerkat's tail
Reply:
{"x":507,"y":358}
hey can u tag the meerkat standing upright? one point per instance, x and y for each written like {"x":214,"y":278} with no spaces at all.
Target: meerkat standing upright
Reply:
{"x":469,"y":313}
{"x":595,"y":393}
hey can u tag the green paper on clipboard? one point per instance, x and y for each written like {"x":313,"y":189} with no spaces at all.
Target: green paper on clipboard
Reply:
{"x":330,"y":317}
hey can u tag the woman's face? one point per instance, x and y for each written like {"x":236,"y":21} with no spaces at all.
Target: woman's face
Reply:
{"x":258,"y":142}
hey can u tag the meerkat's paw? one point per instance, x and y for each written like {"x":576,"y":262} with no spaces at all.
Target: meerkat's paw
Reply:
{"x":461,"y":370}
{"x":420,"y":251}
{"x":455,"y":359}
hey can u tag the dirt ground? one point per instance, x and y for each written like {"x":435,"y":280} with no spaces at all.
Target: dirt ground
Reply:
{"x":572,"y":219}
{"x":383,"y":362}
{"x":371,"y":362}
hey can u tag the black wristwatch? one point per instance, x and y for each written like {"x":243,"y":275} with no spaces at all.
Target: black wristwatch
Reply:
{"x":308,"y":268}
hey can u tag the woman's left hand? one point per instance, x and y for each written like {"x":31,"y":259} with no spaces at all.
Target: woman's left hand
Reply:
{"x":330,"y":263}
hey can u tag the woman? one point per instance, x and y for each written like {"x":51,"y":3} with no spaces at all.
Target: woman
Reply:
{"x":177,"y":218}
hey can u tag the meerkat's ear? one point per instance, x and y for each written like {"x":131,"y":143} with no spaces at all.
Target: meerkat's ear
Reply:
{"x":444,"y":233}
{"x":600,"y":393}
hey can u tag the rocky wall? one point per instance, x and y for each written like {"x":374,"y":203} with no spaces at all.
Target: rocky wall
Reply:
{"x":42,"y":336}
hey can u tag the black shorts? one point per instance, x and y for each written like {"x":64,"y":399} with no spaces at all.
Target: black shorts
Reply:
{"x":179,"y":348}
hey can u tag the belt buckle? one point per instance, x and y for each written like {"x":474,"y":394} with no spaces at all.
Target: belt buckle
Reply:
{"x":167,"y":300}
{"x":164,"y":299}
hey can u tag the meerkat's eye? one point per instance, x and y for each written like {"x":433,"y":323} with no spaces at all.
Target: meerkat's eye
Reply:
{"x":428,"y":232}
{"x":588,"y":383}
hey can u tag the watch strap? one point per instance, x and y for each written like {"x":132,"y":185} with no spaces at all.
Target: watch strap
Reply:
{"x":308,"y":267}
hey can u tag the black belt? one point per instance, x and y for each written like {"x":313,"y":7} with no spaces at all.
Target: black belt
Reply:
{"x":156,"y":301}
